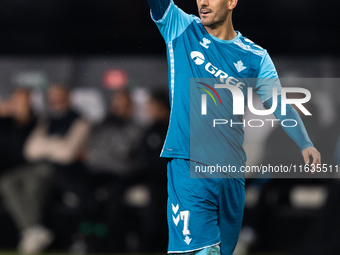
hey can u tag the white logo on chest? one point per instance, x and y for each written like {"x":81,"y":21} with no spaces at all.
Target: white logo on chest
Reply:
{"x":205,"y":43}
{"x":239,"y":66}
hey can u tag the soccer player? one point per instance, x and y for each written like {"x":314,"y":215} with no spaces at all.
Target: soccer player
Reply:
{"x":205,"y":214}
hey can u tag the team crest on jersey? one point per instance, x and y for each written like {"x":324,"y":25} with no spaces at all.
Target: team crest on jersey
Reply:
{"x":205,"y":43}
{"x":239,"y":66}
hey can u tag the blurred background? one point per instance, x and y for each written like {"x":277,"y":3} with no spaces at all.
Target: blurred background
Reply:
{"x":83,"y":115}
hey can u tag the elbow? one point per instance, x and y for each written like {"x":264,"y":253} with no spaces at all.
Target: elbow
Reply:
{"x":64,"y":157}
{"x":32,"y":153}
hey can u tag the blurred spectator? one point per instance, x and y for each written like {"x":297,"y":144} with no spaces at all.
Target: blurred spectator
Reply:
{"x":57,"y":142}
{"x":153,"y":175}
{"x":158,"y":110}
{"x":324,"y":235}
{"x":111,"y":160}
{"x":279,"y":150}
{"x":60,"y":137}
{"x":114,"y":141}
{"x":22,"y":185}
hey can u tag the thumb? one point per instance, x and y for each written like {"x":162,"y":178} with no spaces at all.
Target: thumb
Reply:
{"x":305,"y":155}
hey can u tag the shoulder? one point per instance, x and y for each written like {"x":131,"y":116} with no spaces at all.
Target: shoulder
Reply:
{"x":255,"y":56}
{"x":248,"y":45}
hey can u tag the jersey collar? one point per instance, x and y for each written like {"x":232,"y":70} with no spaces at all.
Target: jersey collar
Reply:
{"x":226,"y":41}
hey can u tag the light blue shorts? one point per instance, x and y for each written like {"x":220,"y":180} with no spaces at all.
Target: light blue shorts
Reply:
{"x":202,"y":212}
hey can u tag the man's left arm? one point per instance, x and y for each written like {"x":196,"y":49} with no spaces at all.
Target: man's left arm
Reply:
{"x":298,"y":133}
{"x":267,"y":80}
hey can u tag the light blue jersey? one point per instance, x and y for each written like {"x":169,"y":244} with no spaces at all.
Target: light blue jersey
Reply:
{"x":205,"y":212}
{"x":193,"y":53}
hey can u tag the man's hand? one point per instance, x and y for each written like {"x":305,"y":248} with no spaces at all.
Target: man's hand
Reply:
{"x":311,"y":151}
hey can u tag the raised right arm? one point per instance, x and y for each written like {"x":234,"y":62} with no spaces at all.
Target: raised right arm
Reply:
{"x":158,"y":8}
{"x":170,"y":20}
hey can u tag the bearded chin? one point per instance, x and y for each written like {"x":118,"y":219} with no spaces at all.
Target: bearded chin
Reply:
{"x":206,"y":22}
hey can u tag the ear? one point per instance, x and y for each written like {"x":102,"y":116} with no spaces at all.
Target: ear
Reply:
{"x":232,"y":4}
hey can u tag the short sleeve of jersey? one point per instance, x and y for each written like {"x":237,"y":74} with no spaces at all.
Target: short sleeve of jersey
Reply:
{"x":267,"y":79}
{"x":173,"y":23}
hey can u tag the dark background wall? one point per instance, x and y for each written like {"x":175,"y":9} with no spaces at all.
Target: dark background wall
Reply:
{"x":106,"y":27}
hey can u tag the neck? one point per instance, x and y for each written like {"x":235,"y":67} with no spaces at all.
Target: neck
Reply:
{"x":223,"y":31}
